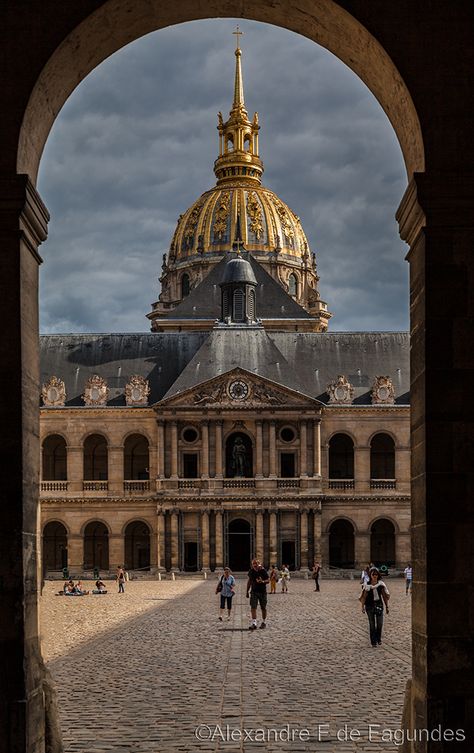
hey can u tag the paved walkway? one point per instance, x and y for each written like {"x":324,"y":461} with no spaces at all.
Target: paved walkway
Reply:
{"x":152,"y":670}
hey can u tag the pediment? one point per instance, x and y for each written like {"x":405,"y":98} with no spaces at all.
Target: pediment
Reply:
{"x":239,"y":389}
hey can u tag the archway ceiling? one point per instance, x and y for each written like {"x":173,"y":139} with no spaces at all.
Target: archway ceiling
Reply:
{"x":118,"y":22}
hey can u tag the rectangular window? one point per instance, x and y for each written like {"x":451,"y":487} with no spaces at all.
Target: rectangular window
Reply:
{"x":287,"y":465}
{"x":190,"y":465}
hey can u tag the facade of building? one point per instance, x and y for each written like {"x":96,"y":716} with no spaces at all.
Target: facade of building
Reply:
{"x":239,"y":426}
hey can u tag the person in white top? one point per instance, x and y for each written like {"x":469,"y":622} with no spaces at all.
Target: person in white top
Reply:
{"x":408,"y":578}
{"x":285,"y":577}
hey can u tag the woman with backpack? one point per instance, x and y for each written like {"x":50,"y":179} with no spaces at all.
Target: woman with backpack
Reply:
{"x":374,"y":597}
{"x":226,"y":590}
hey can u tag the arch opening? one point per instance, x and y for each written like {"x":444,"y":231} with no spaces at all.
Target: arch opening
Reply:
{"x":341,"y":457}
{"x":239,"y":544}
{"x":54,"y":546}
{"x":96,"y":546}
{"x":341,"y":544}
{"x":136,"y":458}
{"x":137,"y":546}
{"x":54,"y":458}
{"x":382,"y":543}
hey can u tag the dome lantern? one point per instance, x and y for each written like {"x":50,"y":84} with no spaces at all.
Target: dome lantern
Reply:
{"x":238,"y":136}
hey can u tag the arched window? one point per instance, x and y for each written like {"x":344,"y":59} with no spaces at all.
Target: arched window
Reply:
{"x":238,"y":305}
{"x":382,"y":457}
{"x":54,"y":465}
{"x":54,"y":546}
{"x":95,"y":458}
{"x":136,"y":458}
{"x":341,"y":457}
{"x":185,"y":286}
{"x":293,"y":285}
{"x":247,"y":142}
{"x":137,"y":546}
{"x":341,"y":544}
{"x":382,"y":543}
{"x":96,"y":546}
{"x":251,"y":311}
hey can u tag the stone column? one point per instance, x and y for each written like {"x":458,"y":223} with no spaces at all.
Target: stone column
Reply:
{"x":219,"y":469}
{"x":316,"y":447}
{"x":75,"y":468}
{"x":259,"y":449}
{"x":259,"y":535}
{"x":219,"y":540}
{"x":161,"y":449}
{"x":362,"y":469}
{"x":115,"y":471}
{"x":205,"y":449}
{"x":361,"y":550}
{"x":272,"y":450}
{"x":303,"y":448}
{"x":273,"y":539}
{"x":174,"y":541}
{"x":205,"y":540}
{"x":160,"y":542}
{"x":116,"y":551}
{"x":75,"y":553}
{"x":174,"y":449}
{"x":304,"y":540}
{"x":318,"y":553}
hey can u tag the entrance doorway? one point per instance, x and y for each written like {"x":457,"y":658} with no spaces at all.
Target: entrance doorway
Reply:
{"x":382,"y":543}
{"x":96,"y":546}
{"x":288,"y":554}
{"x":190,"y":556}
{"x":239,"y":545}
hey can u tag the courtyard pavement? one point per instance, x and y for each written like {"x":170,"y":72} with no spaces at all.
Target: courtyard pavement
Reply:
{"x":153,"y":671}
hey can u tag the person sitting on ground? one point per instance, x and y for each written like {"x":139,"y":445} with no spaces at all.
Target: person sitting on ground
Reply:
{"x":99,"y":587}
{"x":80,"y":590}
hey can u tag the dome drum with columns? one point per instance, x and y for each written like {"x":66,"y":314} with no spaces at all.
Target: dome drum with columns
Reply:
{"x":270,"y":230}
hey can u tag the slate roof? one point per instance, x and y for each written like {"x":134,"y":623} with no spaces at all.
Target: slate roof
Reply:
{"x":305,"y":362}
{"x":204,"y":301}
{"x":174,"y":361}
{"x":116,"y":357}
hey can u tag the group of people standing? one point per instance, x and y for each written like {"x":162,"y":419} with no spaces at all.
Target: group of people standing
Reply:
{"x":279,"y":576}
{"x":374,"y":596}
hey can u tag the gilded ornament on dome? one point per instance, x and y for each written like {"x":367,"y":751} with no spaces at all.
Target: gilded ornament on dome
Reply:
{"x":96,"y":391}
{"x":222,"y":215}
{"x":137,"y":390}
{"x":255,"y":214}
{"x":191,"y":223}
{"x":286,"y":225}
{"x":54,"y":393}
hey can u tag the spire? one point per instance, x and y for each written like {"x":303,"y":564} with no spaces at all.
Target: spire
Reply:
{"x":239,"y":103}
{"x":238,"y":137}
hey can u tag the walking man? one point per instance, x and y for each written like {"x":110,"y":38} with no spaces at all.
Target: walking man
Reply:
{"x":257,"y":586}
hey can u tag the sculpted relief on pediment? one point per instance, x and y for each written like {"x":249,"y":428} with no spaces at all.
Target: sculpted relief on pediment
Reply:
{"x":237,"y":390}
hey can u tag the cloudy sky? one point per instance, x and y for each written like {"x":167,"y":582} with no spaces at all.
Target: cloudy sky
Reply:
{"x":134,"y":147}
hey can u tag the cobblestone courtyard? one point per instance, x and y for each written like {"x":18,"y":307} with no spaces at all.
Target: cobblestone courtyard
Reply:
{"x":139,"y":672}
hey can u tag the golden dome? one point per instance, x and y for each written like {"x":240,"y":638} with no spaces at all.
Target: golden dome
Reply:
{"x":267,"y":224}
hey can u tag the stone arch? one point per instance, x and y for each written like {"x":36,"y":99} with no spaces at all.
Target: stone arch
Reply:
{"x":95,"y":456}
{"x":136,"y":457}
{"x":341,"y":456}
{"x":326,"y":23}
{"x":96,"y":545}
{"x":382,"y":456}
{"x":342,"y":543}
{"x":54,"y":545}
{"x":137,"y":540}
{"x":382,"y":542}
{"x":293,"y":284}
{"x":54,"y":458}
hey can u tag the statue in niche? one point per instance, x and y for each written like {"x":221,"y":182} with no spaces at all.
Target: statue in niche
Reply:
{"x":239,"y":457}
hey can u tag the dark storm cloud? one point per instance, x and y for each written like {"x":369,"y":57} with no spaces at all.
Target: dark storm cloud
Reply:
{"x":135,"y":145}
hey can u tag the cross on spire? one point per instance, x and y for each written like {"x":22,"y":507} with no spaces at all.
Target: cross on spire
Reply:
{"x":238,"y":34}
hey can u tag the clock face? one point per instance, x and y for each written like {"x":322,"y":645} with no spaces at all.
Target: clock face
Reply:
{"x":238,"y":390}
